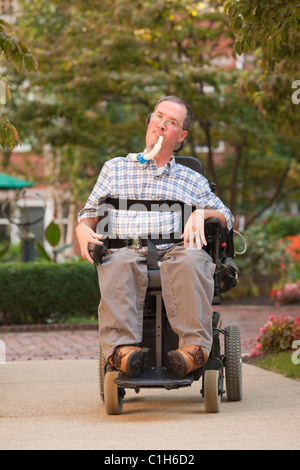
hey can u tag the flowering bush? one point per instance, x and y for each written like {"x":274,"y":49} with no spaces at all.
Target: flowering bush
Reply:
{"x":277,"y":335}
{"x":287,"y":294}
{"x":288,"y":290}
{"x":294,"y":247}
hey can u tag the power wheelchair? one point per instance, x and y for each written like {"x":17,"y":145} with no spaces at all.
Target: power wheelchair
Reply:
{"x":159,"y":337}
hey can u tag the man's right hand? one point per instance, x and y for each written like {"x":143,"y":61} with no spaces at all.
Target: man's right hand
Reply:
{"x":86,"y":234}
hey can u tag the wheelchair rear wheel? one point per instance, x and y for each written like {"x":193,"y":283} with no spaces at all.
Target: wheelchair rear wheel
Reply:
{"x":233,"y":363}
{"x":101,"y":371}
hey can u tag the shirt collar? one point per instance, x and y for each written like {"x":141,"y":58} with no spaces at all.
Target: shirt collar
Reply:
{"x":170,"y":167}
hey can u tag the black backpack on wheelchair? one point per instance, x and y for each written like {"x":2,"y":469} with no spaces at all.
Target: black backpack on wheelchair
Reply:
{"x":158,"y":335}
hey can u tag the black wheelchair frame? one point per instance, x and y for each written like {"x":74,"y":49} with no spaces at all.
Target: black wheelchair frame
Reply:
{"x":159,"y":337}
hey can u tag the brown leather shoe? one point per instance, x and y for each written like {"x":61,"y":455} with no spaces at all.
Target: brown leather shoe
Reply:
{"x":187,"y":359}
{"x":129,"y":359}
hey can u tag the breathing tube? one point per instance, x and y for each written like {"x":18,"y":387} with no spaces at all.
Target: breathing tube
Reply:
{"x":145,"y":157}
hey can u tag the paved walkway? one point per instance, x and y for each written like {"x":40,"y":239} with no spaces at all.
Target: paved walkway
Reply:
{"x":82,"y":343}
{"x":55,"y":405}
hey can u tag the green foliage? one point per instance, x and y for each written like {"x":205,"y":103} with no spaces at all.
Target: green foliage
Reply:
{"x":268,"y":267}
{"x":271,"y":30}
{"x":19,"y":55}
{"x":281,"y":363}
{"x":280,"y":226}
{"x":42,"y":252}
{"x":10,"y":252}
{"x":9,"y":136}
{"x":4,"y":247}
{"x":262,"y":264}
{"x":36,"y":292}
{"x":15,"y":50}
{"x":52,"y":234}
{"x":271,"y":25}
{"x":102,"y":67}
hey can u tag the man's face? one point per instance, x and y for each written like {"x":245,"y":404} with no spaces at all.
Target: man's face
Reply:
{"x":166,"y":110}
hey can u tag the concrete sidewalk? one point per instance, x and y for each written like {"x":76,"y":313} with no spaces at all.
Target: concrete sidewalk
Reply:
{"x":55,"y":403}
{"x":47,"y":405}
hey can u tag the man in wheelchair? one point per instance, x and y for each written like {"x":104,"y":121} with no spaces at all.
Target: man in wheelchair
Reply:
{"x":186,"y":269}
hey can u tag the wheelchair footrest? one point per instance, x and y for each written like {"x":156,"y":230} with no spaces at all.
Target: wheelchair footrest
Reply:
{"x":154,"y":378}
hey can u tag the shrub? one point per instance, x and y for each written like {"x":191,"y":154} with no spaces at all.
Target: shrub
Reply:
{"x":34,"y":292}
{"x":293,"y":247}
{"x":262,"y":264}
{"x":287,"y":294}
{"x":271,"y":263}
{"x":277,"y":335}
{"x":287,"y":290}
{"x":280,"y":226}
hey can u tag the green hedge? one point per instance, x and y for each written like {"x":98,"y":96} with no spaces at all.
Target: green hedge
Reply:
{"x":38,"y":292}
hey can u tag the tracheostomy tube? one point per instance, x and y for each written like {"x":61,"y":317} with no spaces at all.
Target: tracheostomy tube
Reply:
{"x":145,"y":157}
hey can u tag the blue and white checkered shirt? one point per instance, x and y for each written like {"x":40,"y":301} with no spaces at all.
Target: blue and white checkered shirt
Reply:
{"x":126,"y":178}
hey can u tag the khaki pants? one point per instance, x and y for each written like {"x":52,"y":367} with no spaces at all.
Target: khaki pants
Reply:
{"x":187,"y":289}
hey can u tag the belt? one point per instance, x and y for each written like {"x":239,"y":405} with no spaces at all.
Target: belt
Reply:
{"x":139,"y":242}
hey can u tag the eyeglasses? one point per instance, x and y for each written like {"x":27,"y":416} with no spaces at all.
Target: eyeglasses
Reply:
{"x":170,"y":123}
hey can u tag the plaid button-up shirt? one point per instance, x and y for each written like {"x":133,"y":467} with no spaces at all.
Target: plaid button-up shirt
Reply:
{"x":126,"y":178}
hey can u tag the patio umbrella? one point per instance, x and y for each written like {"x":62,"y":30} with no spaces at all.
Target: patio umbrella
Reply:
{"x":10,"y":182}
{"x":27,"y":239}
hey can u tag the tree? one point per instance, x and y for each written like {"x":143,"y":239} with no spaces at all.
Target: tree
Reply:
{"x":102,"y":67}
{"x":15,"y":52}
{"x":268,"y":25}
{"x":95,"y":87}
{"x":271,"y":30}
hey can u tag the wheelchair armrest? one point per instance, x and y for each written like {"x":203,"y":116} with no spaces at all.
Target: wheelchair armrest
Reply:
{"x":213,"y":222}
{"x":97,"y":252}
{"x":213,"y":235}
{"x":220,"y":248}
{"x":212,"y":227}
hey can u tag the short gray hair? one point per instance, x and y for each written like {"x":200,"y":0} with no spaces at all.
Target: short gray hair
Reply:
{"x":189,"y":113}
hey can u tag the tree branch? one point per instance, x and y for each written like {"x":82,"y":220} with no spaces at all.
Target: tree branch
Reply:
{"x":275,"y":196}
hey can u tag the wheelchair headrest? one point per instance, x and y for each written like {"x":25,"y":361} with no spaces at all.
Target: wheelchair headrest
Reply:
{"x":191,"y":162}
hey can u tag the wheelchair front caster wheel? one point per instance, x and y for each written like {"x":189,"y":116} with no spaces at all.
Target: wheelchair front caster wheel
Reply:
{"x":212,"y":397}
{"x":113,"y":395}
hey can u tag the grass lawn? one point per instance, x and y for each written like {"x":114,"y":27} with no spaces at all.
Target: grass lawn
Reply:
{"x":281,"y":363}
